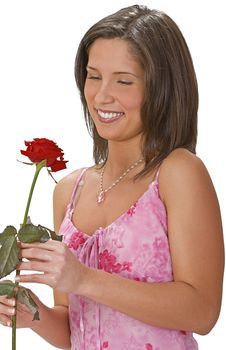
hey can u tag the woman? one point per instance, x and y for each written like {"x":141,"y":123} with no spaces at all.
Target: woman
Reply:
{"x":141,"y":263}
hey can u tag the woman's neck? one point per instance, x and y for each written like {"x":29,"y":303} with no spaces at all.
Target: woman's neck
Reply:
{"x":121,"y":156}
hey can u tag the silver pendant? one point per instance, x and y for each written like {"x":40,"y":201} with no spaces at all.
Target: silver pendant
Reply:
{"x":101,"y":197}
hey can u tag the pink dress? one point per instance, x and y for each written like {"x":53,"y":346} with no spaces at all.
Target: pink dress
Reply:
{"x":134,"y":246}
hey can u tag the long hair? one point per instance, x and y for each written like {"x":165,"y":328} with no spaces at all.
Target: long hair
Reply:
{"x":169,"y":111}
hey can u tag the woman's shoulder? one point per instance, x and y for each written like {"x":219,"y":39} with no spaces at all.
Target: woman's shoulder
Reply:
{"x":181,"y":157}
{"x":64,"y":188}
{"x":62,"y":195}
{"x":68,"y":181}
{"x":182,"y":162}
{"x":182,"y":170}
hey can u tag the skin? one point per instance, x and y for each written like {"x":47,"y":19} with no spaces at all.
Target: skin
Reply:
{"x":115,"y":85}
{"x":192,"y":301}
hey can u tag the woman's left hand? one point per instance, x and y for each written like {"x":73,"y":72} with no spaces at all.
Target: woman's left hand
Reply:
{"x":58,"y":266}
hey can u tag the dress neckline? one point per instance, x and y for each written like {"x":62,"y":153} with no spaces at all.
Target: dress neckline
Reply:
{"x":118,"y":218}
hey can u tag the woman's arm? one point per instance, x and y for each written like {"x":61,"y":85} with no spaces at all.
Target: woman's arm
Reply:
{"x":53,"y":325}
{"x":192,"y":301}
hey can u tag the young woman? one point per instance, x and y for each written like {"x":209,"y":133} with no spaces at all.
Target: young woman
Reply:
{"x":141,"y":262}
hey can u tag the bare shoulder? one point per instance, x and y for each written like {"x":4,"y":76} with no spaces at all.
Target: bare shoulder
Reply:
{"x":64,"y":187}
{"x":183,"y":160}
{"x":62,"y":195}
{"x":183,"y":171}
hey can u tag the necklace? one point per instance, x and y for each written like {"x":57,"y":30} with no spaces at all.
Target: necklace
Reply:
{"x":101,"y":195}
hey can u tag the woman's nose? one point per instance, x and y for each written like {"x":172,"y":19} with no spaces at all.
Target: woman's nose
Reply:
{"x":104,"y":94}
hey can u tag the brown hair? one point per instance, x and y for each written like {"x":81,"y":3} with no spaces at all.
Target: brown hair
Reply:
{"x":169,"y":111}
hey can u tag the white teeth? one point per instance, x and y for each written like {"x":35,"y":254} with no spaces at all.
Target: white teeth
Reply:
{"x":109,"y":115}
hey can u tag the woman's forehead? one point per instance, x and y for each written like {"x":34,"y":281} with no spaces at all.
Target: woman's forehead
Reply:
{"x":115,"y":54}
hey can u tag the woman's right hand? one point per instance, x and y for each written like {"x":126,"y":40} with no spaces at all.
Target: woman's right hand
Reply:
{"x":7,"y":310}
{"x":8,"y":307}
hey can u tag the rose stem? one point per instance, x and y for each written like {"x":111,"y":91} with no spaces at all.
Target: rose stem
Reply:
{"x":39,"y":166}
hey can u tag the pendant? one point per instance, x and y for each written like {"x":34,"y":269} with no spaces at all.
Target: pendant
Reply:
{"x":101,"y":197}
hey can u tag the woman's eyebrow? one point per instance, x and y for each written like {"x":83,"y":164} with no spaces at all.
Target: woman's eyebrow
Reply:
{"x":89,"y":67}
{"x":126,"y":73}
{"x":119,"y":72}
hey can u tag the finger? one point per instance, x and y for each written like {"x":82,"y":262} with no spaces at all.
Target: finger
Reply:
{"x":35,"y":278}
{"x":5,"y":321}
{"x":7,"y":301}
{"x":7,"y":310}
{"x":49,"y":245}
{"x":35,"y":266}
{"x":35,"y":253}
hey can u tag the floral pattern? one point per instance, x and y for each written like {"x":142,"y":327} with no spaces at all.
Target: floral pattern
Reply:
{"x":134,"y":246}
{"x":77,"y":239}
{"x":108,"y":263}
{"x":132,"y":209}
{"x":149,"y":347}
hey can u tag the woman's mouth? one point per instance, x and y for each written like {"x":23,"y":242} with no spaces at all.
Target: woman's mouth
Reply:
{"x":109,"y":116}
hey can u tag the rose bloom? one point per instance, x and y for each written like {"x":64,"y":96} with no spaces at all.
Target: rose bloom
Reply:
{"x":43,"y":149}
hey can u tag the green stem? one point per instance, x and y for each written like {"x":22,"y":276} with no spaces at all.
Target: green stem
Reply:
{"x":39,"y":166}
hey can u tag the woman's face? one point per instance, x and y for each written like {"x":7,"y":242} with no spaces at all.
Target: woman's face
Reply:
{"x":114,"y":89}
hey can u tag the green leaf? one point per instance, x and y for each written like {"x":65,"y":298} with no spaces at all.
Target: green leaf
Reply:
{"x":9,"y":256}
{"x":30,"y":233}
{"x":7,"y":288}
{"x":25,"y":298}
{"x":8,"y":231}
{"x":52,"y":234}
{"x":56,"y":237}
{"x":23,"y":295}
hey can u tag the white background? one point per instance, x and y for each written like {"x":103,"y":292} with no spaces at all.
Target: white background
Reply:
{"x":38,"y":98}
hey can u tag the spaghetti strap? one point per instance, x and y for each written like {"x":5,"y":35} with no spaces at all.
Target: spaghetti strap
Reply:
{"x":73,"y":195}
{"x":157,"y":174}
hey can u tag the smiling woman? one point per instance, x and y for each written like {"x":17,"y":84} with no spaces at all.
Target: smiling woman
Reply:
{"x":114,"y":89}
{"x":153,"y":48}
{"x":142,"y":259}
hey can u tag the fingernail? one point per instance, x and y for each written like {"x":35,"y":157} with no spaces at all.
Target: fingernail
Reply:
{"x":17,"y":279}
{"x":8,"y":323}
{"x":11,"y":302}
{"x":12,"y":311}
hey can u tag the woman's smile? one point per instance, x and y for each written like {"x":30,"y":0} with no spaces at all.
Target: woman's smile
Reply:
{"x":109,"y":116}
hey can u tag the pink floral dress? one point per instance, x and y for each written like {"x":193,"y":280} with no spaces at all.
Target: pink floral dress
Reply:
{"x":134,"y":246}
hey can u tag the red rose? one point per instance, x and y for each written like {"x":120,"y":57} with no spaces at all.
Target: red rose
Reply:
{"x":44,"y":149}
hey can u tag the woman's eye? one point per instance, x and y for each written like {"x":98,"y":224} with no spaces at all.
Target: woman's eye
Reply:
{"x":124,"y":82}
{"x":94,"y":77}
